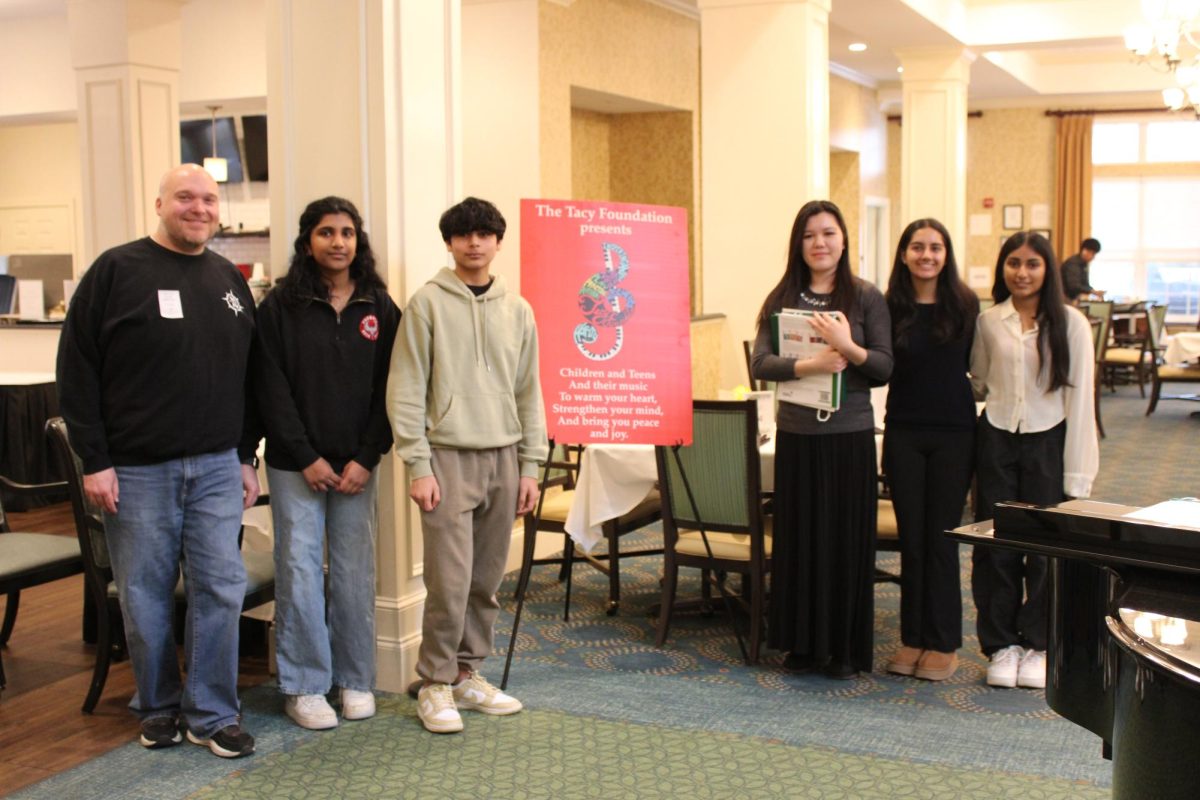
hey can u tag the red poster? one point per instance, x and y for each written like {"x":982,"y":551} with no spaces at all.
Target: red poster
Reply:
{"x":609,"y":287}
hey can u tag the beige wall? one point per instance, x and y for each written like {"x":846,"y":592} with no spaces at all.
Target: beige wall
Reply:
{"x":40,"y":164}
{"x":628,"y":48}
{"x":845,"y":190}
{"x":1010,"y":158}
{"x":591,"y":165}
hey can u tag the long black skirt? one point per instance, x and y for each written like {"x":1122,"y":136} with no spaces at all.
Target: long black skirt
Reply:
{"x":823,"y":562}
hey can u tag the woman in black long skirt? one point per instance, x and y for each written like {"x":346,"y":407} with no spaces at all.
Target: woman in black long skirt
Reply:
{"x":929,"y":443}
{"x":822,"y":579}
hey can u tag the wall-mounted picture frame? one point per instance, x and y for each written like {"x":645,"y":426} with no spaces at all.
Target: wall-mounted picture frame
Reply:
{"x":1014,"y":217}
{"x":1042,"y":231}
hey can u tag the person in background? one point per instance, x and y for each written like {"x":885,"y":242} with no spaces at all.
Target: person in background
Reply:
{"x":823,"y":565}
{"x":929,"y":443}
{"x":1032,"y":361}
{"x":152,"y":385}
{"x":1076,"y":286}
{"x":325,"y":338}
{"x":466,"y":406}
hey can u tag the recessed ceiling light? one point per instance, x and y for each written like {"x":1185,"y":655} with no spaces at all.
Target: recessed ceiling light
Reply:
{"x":857,"y":47}
{"x":899,"y":69}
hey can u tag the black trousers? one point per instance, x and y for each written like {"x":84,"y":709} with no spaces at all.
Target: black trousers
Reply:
{"x":929,"y":473}
{"x":1014,"y":466}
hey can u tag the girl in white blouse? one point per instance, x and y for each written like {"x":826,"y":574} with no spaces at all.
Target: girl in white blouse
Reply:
{"x":1033,"y":362}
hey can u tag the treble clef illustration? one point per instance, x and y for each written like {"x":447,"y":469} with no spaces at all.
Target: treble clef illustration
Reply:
{"x":604,"y":304}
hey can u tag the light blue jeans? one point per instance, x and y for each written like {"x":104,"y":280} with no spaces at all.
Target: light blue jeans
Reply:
{"x":187,"y":511}
{"x":318,"y":643}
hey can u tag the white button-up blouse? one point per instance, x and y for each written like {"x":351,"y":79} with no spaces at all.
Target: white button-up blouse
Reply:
{"x":1004,"y":372}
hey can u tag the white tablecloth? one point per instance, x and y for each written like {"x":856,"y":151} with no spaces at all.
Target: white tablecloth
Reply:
{"x":1182,"y":347}
{"x":614,"y":478}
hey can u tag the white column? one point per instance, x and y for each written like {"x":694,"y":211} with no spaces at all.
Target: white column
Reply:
{"x":933,"y":158}
{"x":765,"y":137}
{"x":380,"y":125}
{"x":501,"y":112}
{"x":126,"y":59}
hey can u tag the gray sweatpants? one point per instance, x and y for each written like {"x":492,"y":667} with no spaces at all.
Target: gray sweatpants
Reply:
{"x":466,"y":547}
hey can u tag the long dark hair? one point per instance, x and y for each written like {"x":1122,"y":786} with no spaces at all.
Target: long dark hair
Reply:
{"x":956,"y":306}
{"x":797,"y":276}
{"x":303,"y":283}
{"x":1054,"y":356}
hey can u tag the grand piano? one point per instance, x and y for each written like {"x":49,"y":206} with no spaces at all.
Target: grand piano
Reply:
{"x":1124,"y":635}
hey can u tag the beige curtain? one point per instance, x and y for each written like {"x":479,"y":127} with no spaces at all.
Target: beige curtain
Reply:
{"x":1072,"y":184}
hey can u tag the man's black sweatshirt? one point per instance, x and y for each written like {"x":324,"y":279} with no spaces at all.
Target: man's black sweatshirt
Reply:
{"x":153,"y":357}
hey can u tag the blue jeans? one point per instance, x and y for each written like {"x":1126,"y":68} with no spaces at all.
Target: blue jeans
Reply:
{"x":320,"y":644}
{"x":187,"y":511}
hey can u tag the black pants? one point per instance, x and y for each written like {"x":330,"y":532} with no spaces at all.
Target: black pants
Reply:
{"x":1014,"y":466}
{"x":929,"y":473}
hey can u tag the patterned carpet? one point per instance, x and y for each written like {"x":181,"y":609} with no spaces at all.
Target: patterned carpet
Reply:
{"x":611,"y":716}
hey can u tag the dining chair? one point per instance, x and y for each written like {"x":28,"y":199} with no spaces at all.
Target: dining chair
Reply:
{"x":712,"y":511}
{"x":1100,"y":315}
{"x":748,"y":354}
{"x":559,"y":475}
{"x":30,"y":559}
{"x":1166,"y":373}
{"x":1132,"y":352}
{"x":887,"y":532}
{"x":97,"y":569}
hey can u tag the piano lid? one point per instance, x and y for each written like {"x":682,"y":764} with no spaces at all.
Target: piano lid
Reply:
{"x":1087,"y":528}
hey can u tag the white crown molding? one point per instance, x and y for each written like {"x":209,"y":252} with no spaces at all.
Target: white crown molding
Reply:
{"x":852,"y":75}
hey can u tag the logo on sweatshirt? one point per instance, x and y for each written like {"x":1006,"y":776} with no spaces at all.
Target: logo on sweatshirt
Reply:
{"x":604,"y":305}
{"x":369,"y":327}
{"x":232,"y":301}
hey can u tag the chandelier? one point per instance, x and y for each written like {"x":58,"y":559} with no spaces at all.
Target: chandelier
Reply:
{"x":1165,"y":41}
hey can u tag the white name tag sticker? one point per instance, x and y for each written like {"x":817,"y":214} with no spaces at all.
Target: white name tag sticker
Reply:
{"x":169,"y":304}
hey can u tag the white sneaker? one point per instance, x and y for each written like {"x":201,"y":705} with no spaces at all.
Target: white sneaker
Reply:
{"x":310,"y":711}
{"x":1032,"y":672}
{"x":357,"y":705}
{"x":474,"y":693}
{"x":435,"y":707}
{"x":1005,"y":663}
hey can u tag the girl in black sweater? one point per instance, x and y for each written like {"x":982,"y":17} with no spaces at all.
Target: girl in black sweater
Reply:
{"x":324,"y":345}
{"x":929,"y":443}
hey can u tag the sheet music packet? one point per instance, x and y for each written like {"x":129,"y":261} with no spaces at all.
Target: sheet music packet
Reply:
{"x":793,"y":336}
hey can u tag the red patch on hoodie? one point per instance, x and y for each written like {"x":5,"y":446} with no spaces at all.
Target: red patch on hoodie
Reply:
{"x":369,"y":327}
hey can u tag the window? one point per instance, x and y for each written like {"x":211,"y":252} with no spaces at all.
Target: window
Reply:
{"x":1145,"y":204}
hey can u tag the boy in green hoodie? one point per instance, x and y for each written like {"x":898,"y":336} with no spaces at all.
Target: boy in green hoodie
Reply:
{"x":466,"y":406}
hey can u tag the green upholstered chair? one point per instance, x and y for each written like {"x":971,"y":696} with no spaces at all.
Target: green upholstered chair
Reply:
{"x":712,"y":510}
{"x":1166,"y":373}
{"x":30,"y":559}
{"x":98,"y":583}
{"x":1100,"y":314}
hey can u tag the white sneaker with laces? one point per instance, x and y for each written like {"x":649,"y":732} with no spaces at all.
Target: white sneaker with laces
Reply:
{"x":357,"y":705}
{"x":310,"y":711}
{"x":1032,"y":672}
{"x":435,"y":707}
{"x":474,"y":693}
{"x":1005,"y":663}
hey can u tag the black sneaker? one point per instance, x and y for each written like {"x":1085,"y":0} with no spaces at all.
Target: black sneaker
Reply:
{"x":229,"y":742}
{"x":160,"y":732}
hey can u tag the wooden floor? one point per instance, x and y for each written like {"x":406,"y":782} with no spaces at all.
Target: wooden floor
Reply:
{"x":49,"y":670}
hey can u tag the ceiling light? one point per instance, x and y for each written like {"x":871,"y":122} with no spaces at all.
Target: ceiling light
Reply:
{"x":215,"y":165}
{"x":857,"y":47}
{"x":1159,"y":41}
{"x":899,"y":69}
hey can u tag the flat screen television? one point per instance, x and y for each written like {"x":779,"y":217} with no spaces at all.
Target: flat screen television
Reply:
{"x":195,"y":143}
{"x":254,"y":140}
